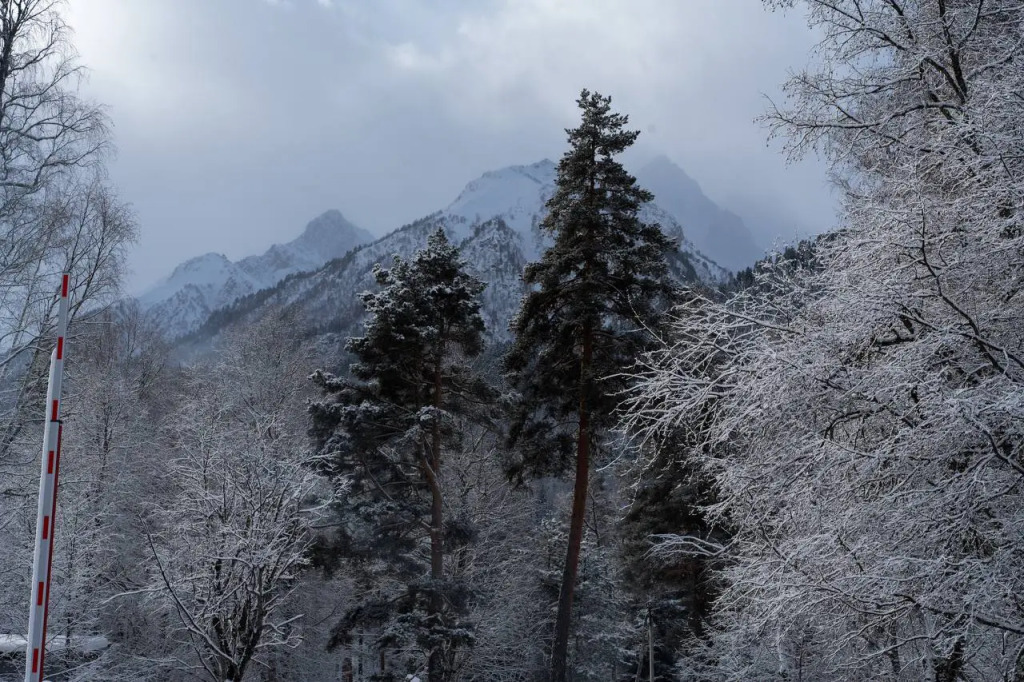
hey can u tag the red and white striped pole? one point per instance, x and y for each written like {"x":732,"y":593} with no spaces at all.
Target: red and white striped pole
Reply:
{"x":50,"y":467}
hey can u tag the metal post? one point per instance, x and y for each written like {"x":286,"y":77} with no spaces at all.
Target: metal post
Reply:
{"x":650,"y":641}
{"x":42,"y":559}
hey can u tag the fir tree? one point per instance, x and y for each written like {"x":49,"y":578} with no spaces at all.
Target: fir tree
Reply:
{"x":593,"y":296}
{"x":386,"y":427}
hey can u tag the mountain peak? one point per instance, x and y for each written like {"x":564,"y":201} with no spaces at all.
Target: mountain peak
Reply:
{"x":668,"y":172}
{"x":496,"y":222}
{"x":544,"y":165}
{"x":206,"y":270}
{"x":332,"y":217}
{"x":662,"y":160}
{"x":328,"y":226}
{"x":205,"y":261}
{"x":516,"y":194}
{"x":717,"y":233}
{"x":330,"y":235}
{"x":542,"y":173}
{"x":212,"y":280}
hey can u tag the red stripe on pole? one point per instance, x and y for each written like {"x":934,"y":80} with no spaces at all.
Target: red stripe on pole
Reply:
{"x":49,"y":527}
{"x":49,"y":556}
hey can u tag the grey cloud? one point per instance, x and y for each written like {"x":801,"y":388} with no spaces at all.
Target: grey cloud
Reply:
{"x":238,"y":120}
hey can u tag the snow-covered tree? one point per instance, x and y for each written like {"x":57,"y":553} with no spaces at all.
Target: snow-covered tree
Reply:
{"x":387,"y":428}
{"x":593,"y":296}
{"x":116,"y":396}
{"x":605,"y":641}
{"x":229,"y":533}
{"x":674,"y":590}
{"x":867,"y":438}
{"x":498,"y":567}
{"x":55,"y":213}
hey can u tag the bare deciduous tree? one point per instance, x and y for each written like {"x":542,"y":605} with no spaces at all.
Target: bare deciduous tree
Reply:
{"x":229,"y":539}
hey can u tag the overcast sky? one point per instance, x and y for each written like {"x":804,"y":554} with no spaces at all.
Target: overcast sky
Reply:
{"x":237,"y":121}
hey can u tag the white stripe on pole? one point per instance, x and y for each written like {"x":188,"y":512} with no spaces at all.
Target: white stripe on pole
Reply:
{"x":49,"y":469}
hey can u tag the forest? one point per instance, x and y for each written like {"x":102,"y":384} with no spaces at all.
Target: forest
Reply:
{"x":812,"y":471}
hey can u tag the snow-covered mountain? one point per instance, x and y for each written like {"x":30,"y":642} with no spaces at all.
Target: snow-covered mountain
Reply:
{"x":717,"y":233}
{"x":495,"y":220}
{"x":184,"y":300}
{"x":516,"y":195}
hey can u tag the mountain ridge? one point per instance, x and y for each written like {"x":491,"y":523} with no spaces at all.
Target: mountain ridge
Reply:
{"x":183,"y":300}
{"x":718,"y":233}
{"x":495,"y":220}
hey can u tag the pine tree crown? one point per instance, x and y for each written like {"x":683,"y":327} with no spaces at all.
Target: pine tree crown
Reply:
{"x":604,"y":280}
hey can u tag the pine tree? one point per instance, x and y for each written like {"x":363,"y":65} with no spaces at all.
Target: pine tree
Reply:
{"x":594,"y":295}
{"x":385,"y":428}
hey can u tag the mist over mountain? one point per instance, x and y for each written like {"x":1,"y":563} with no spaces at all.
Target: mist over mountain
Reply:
{"x":495,"y":219}
{"x":716,"y":232}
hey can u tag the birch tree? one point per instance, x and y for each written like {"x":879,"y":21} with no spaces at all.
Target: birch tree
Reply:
{"x":56,"y":214}
{"x":51,"y":143}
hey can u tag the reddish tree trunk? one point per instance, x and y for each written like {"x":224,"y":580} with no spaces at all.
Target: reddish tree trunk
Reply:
{"x":560,"y":646}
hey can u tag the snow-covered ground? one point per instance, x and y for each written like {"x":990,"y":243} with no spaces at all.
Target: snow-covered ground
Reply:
{"x":14,"y":644}
{"x":12,"y":649}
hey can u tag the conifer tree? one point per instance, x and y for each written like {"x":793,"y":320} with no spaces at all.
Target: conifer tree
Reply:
{"x":675,"y":589}
{"x":671,"y":494}
{"x":385,"y":429}
{"x":593,"y":296}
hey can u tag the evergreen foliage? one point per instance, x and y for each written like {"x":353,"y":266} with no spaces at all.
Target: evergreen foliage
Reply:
{"x":818,"y":467}
{"x":675,"y":590}
{"x":384,"y":430}
{"x":600,"y":282}
{"x":670,"y":497}
{"x":594,"y":295}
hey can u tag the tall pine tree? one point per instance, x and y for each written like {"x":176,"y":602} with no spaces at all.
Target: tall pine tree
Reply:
{"x":593,"y":296}
{"x":386,"y":427}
